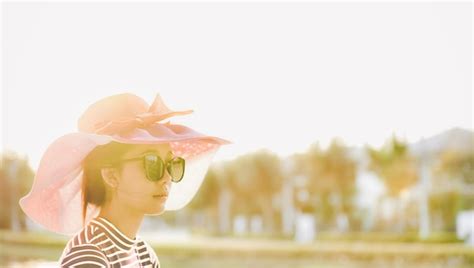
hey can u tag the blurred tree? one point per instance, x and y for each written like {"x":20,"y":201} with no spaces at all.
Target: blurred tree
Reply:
{"x":331,"y":184}
{"x":456,"y":167}
{"x":452,"y":188}
{"x":229,"y":173}
{"x":259,"y":180}
{"x":398,"y":170}
{"x":5,"y":201}
{"x":16,"y":178}
{"x":268,"y":182}
{"x":215,"y":196}
{"x":394,"y":165}
{"x":443,"y":209}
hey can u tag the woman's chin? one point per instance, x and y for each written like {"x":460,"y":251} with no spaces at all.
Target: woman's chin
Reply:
{"x":156,"y":210}
{"x":155,"y":213}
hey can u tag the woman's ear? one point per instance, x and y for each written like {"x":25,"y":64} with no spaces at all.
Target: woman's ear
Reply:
{"x":110,"y":176}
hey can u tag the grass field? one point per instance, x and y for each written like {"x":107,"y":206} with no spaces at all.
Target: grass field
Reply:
{"x":41,"y":250}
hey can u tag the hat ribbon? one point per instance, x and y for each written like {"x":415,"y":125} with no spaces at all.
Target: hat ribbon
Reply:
{"x":124,"y":124}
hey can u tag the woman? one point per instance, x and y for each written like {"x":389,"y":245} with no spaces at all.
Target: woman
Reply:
{"x":124,"y":163}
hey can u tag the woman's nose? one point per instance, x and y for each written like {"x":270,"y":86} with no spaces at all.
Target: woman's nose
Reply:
{"x":166,"y":178}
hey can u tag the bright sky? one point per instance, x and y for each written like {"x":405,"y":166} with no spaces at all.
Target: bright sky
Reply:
{"x":263,"y":75}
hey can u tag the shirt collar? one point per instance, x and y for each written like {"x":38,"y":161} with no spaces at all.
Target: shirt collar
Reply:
{"x":117,"y":237}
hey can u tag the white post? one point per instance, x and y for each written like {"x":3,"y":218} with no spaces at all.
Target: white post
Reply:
{"x":424,"y":230}
{"x":14,"y":192}
{"x":288,"y":213}
{"x":287,"y":206}
{"x":224,"y":213}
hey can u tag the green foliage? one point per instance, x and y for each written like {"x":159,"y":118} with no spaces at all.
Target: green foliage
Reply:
{"x":456,"y":166}
{"x":394,"y":165}
{"x":331,"y":181}
{"x":445,"y":206}
{"x":16,"y":178}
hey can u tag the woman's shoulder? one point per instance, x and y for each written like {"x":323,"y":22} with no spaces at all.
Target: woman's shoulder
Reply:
{"x":88,"y":235}
{"x":81,"y":250}
{"x":83,"y":255}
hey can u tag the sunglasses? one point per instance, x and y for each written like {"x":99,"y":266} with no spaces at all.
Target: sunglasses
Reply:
{"x":155,"y":167}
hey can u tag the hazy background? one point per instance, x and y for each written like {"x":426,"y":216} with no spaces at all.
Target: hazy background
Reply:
{"x":351,"y":123}
{"x":264,"y":75}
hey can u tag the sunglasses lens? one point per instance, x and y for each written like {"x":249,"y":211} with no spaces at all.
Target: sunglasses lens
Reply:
{"x":154,"y":167}
{"x":176,"y":169}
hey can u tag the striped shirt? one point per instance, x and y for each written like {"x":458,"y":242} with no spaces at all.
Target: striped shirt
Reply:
{"x":102,"y":244}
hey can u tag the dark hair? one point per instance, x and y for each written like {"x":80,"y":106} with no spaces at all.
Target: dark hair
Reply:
{"x":93,"y":187}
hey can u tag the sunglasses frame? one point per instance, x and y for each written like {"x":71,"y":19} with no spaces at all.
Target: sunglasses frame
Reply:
{"x":165,"y":163}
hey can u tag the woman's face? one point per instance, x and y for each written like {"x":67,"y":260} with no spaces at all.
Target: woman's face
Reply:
{"x":134,"y":190}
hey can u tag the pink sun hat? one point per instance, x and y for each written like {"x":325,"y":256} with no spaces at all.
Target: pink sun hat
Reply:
{"x":55,"y":199}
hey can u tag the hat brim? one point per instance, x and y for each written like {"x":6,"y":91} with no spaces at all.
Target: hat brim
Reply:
{"x":55,"y":199}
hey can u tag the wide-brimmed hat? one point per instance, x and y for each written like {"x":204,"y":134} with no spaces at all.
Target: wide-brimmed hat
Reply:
{"x":55,"y":199}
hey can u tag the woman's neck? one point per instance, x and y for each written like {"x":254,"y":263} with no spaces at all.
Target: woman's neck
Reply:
{"x":125,"y":220}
